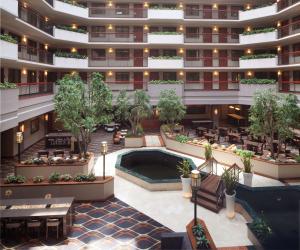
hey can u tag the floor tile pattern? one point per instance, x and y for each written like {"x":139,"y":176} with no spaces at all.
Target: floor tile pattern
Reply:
{"x":110,"y":225}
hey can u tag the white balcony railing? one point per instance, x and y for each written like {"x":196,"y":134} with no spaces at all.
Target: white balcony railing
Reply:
{"x":259,"y":38}
{"x":70,"y":9}
{"x":154,"y":90}
{"x":10,"y":6}
{"x":165,"y":38}
{"x":73,"y":63}
{"x":158,"y":63}
{"x":165,"y":14}
{"x":259,"y":63}
{"x":258,"y":12}
{"x":8,"y":50}
{"x":71,"y":36}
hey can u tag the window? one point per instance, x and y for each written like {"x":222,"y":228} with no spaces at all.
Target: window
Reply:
{"x":122,"y":31}
{"x":192,"y":77}
{"x":236,"y":54}
{"x":154,"y":29}
{"x":98,"y":31}
{"x":237,"y":76}
{"x":14,"y":75}
{"x":122,"y":76}
{"x":32,"y":47}
{"x":97,"y":8}
{"x":169,"y":52}
{"x":169,"y":76}
{"x":195,"y":110}
{"x":154,"y":53}
{"x":192,"y":10}
{"x":2,"y":75}
{"x":122,"y":9}
{"x":98,"y":54}
{"x":122,"y":54}
{"x":192,"y":32}
{"x":34,"y":125}
{"x":154,"y":76}
{"x":192,"y":54}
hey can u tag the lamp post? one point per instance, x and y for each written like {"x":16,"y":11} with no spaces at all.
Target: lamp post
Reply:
{"x":104,"y":149}
{"x":19,"y":140}
{"x":196,"y":181}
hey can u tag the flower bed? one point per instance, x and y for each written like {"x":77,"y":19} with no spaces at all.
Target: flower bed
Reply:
{"x":166,"y":82}
{"x":7,"y":85}
{"x":70,"y":55}
{"x":258,"y":31}
{"x":259,"y":56}
{"x":70,"y":28}
{"x":8,"y":38}
{"x":257,"y":81}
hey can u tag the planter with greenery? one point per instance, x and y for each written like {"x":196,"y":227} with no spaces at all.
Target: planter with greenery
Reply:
{"x":259,"y":232}
{"x":166,"y":57}
{"x":7,"y":85}
{"x":258,"y":31}
{"x":163,"y":8}
{"x":73,"y":3}
{"x":208,"y":151}
{"x":15,"y":179}
{"x":230,"y":181}
{"x":184,"y":169}
{"x":70,"y":28}
{"x":258,"y":56}
{"x":246,"y":156}
{"x":165,"y":33}
{"x":182,"y":138}
{"x":257,"y":81}
{"x":69,"y":55}
{"x":199,"y":233}
{"x":166,"y":82}
{"x":8,"y":38}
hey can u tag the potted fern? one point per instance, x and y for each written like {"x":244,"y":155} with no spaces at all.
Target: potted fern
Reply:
{"x":208,"y":151}
{"x":246,"y":156}
{"x":184,"y":169}
{"x":230,"y":181}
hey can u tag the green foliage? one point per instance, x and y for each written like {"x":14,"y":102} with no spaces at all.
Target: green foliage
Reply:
{"x":65,"y":177}
{"x":38,"y":179}
{"x":261,"y":229}
{"x":82,"y":107}
{"x":259,"y":56}
{"x":70,"y":55}
{"x":208,"y":151}
{"x":166,"y":128}
{"x":165,"y":33}
{"x":273,"y":113}
{"x":122,"y":107}
{"x":184,"y":168}
{"x":7,"y":85}
{"x":297,"y":158}
{"x":182,"y":138}
{"x":15,"y":179}
{"x":230,"y":181}
{"x":70,"y":28}
{"x":246,"y":156}
{"x":201,"y":241}
{"x":257,"y":31}
{"x":166,"y":82}
{"x":8,"y":38}
{"x":166,"y":57}
{"x":85,"y":178}
{"x":156,"y":7}
{"x":54,"y":177}
{"x":170,"y":107}
{"x":73,"y":3}
{"x":257,"y":81}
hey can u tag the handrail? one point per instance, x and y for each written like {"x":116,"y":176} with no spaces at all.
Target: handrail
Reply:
{"x":196,"y":82}
{"x":35,"y":88}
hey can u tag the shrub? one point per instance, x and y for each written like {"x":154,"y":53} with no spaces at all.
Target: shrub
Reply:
{"x":297,"y":158}
{"x":208,"y":151}
{"x":38,"y":179}
{"x":8,"y":38}
{"x":70,"y":28}
{"x":7,"y":85}
{"x":201,"y":241}
{"x":261,"y":229}
{"x":54,"y":177}
{"x":246,"y":156}
{"x":65,"y":177}
{"x":257,"y":31}
{"x":70,"y":55}
{"x":16,"y":179}
{"x":181,"y":138}
{"x":230,"y":181}
{"x":166,"y":57}
{"x":83,"y":177}
{"x":166,"y":82}
{"x":259,"y":56}
{"x":73,"y":3}
{"x":257,"y":81}
{"x":184,"y":168}
{"x":165,"y":33}
{"x":166,"y":128}
{"x":163,"y":8}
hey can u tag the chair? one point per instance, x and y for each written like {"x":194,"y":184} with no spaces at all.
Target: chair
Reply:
{"x":35,"y":225}
{"x":43,"y":153}
{"x":13,"y":226}
{"x":54,"y":223}
{"x":58,"y":153}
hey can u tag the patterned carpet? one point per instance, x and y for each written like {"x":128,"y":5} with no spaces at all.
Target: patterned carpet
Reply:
{"x":109,"y":225}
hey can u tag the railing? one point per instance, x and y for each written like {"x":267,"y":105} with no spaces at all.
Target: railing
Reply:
{"x":118,"y":37}
{"x":289,"y":29}
{"x":283,"y":4}
{"x":211,"y":61}
{"x":34,"y":54}
{"x":289,"y":86}
{"x":192,"y":13}
{"x":211,"y":85}
{"x":211,"y":38}
{"x":118,"y":62}
{"x":35,"y":19}
{"x":50,"y":2}
{"x":117,"y":12}
{"x":35,"y":88}
{"x":289,"y":58}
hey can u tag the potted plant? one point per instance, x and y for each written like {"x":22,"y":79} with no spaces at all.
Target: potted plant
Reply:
{"x":201,"y":241}
{"x":184,"y":169}
{"x":230,"y":180}
{"x":208,"y":151}
{"x":258,"y":232}
{"x":246,"y":159}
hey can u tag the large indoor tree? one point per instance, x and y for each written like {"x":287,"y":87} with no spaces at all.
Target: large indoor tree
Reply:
{"x":170,"y":107}
{"x":122,"y":108}
{"x":81,"y":107}
{"x":274,"y":114}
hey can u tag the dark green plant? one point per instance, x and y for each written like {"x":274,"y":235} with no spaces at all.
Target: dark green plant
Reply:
{"x":166,"y":57}
{"x":54,"y":177}
{"x":208,"y":151}
{"x":165,"y":33}
{"x":70,"y":55}
{"x":297,"y":158}
{"x":163,"y":8}
{"x":166,"y":82}
{"x":246,"y":156}
{"x":230,"y":181}
{"x":184,"y":168}
{"x":201,"y":241}
{"x":257,"y":81}
{"x":15,"y":179}
{"x":257,"y":31}
{"x":166,"y":128}
{"x":121,"y":113}
{"x":259,"y":56}
{"x":8,"y":38}
{"x":65,"y":177}
{"x":85,"y":178}
{"x":38,"y":179}
{"x":70,"y":28}
{"x":71,"y":2}
{"x":261,"y":229}
{"x":8,"y":85}
{"x":182,"y":138}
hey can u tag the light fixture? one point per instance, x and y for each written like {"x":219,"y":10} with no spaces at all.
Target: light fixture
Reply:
{"x":110,"y":50}
{"x":46,"y":46}
{"x":146,"y":73}
{"x":24,"y":71}
{"x":46,"y":117}
{"x":215,"y":6}
{"x":181,"y":51}
{"x":146,"y":50}
{"x":110,"y":4}
{"x":19,"y":140}
{"x":215,"y":51}
{"x":8,"y":192}
{"x":110,"y":27}
{"x":73,"y":50}
{"x":278,"y":48}
{"x":278,"y":24}
{"x":215,"y":28}
{"x":45,"y":73}
{"x":181,"y":73}
{"x":25,"y":5}
{"x":248,"y":29}
{"x":249,"y":73}
{"x":180,"y":5}
{"x":237,"y":108}
{"x":195,"y":183}
{"x":146,"y":27}
{"x":103,"y":150}
{"x":248,"y":51}
{"x":22,"y":128}
{"x":146,"y":5}
{"x":279,"y":73}
{"x":74,"y":26}
{"x":248,"y":7}
{"x":73,"y":72}
{"x":110,"y":73}
{"x":180,"y":28}
{"x":24,"y":39}
{"x":216,"y":111}
{"x":46,"y":19}
{"x":216,"y":73}
{"x":231,"y":107}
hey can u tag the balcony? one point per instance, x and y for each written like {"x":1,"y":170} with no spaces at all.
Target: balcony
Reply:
{"x":8,"y":50}
{"x":289,"y":87}
{"x":35,"y":55}
{"x":289,"y":58}
{"x":165,"y":63}
{"x":165,"y":38}
{"x":9,"y":108}
{"x":197,"y":13}
{"x":71,"y":36}
{"x":259,"y":37}
{"x":283,"y":4}
{"x":120,"y":85}
{"x":154,"y":90}
{"x":117,"y":37}
{"x":70,"y":9}
{"x":35,"y":19}
{"x":35,"y":89}
{"x":165,"y":14}
{"x":211,"y":38}
{"x":118,"y":62}
{"x":108,"y":12}
{"x":10,"y":6}
{"x":211,"y":62}
{"x":211,"y":85}
{"x":289,"y":29}
{"x":70,"y":63}
{"x":258,"y":12}
{"x":259,"y":63}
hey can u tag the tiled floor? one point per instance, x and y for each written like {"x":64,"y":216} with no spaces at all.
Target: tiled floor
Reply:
{"x":110,"y":225}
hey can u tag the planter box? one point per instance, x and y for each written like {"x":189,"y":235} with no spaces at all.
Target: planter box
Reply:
{"x":73,"y":63}
{"x":70,"y":9}
{"x":165,"y":63}
{"x":134,"y":142}
{"x":165,"y":39}
{"x":72,"y":36}
{"x":247,"y":91}
{"x":10,"y":6}
{"x":259,"y":38}
{"x":259,"y":63}
{"x":258,"y":13}
{"x":155,"y":89}
{"x":81,"y":191}
{"x":165,"y":14}
{"x":8,"y":50}
{"x":253,"y":239}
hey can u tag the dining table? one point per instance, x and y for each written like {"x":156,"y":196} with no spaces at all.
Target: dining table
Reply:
{"x":23,"y":209}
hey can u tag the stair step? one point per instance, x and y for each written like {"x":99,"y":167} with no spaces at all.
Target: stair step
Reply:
{"x":207,"y":195}
{"x":208,"y":205}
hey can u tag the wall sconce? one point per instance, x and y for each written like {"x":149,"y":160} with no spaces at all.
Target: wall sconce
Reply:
{"x":109,"y":73}
{"x":110,"y":4}
{"x":146,"y":5}
{"x":278,"y":48}
{"x":8,"y":192}
{"x":216,"y":111}
{"x":24,"y":39}
{"x":215,"y":28}
{"x":248,"y":51}
{"x":24,"y":72}
{"x":248,"y":7}
{"x":215,"y":51}
{"x":22,"y":128}
{"x":279,"y":73}
{"x":45,"y":73}
{"x":249,"y":73}
{"x":46,"y":117}
{"x":180,"y":28}
{"x":103,"y":150}
{"x":146,"y":73}
{"x":181,"y":73}
{"x":180,"y":5}
{"x":146,"y":50}
{"x":73,"y":72}
{"x":278,"y":24}
{"x":231,"y":107}
{"x":73,"y":50}
{"x":181,"y":51}
{"x":110,"y":50}
{"x":237,"y":108}
{"x":74,"y":26}
{"x":110,"y":27}
{"x":46,"y":46}
{"x":215,"y":6}
{"x":25,"y":5}
{"x":248,"y":29}
{"x":46,"y":19}
{"x":216,"y":73}
{"x":146,"y":27}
